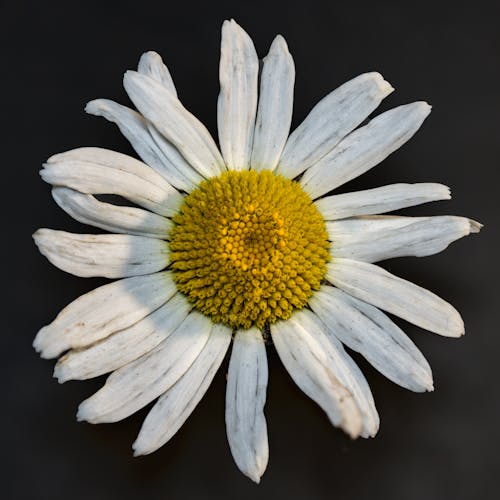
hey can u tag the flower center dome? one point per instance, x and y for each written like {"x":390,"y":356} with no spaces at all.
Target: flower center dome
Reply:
{"x":248,"y":248}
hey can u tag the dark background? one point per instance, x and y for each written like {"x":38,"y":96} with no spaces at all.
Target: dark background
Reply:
{"x":443,"y":445}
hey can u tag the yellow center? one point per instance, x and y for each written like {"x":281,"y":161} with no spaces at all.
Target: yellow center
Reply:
{"x":248,"y":248}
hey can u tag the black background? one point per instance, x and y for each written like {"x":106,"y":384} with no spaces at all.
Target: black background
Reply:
{"x":443,"y":445}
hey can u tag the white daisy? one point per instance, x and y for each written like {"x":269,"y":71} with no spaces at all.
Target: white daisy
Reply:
{"x":239,"y":243}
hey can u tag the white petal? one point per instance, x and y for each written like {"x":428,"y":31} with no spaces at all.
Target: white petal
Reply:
{"x":380,"y":200}
{"x":343,"y":367}
{"x":151,"y":64}
{"x":103,"y":311}
{"x":367,"y":330}
{"x":156,"y":152}
{"x":173,"y":408}
{"x":125,"y":345}
{"x":180,"y":168}
{"x":173,"y":121}
{"x":311,"y":369}
{"x":364,"y":148}
{"x":376,"y":286}
{"x":237,"y":103}
{"x":331,"y":120}
{"x":372,"y":239}
{"x":135,"y":385}
{"x":100,"y":171}
{"x":116,"y":219}
{"x":274,"y":114}
{"x":245,"y":398}
{"x":107,"y":255}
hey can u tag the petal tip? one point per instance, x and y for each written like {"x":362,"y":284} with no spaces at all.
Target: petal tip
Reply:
{"x":475,"y":226}
{"x":383,"y":86}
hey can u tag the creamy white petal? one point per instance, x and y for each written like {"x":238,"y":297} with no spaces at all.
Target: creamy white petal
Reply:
{"x":380,"y":200}
{"x":106,"y":255}
{"x":237,"y":103}
{"x":103,"y":311}
{"x":125,"y":345}
{"x":331,"y":120}
{"x":116,"y":219}
{"x":274,"y":114}
{"x":343,"y":367}
{"x":397,"y":296}
{"x":175,"y":122}
{"x":364,"y":148}
{"x":180,"y":168}
{"x":245,"y":399}
{"x":311,"y":369}
{"x":372,"y":239}
{"x":151,"y":64}
{"x":133,"y":386}
{"x":100,"y":171}
{"x":156,"y":151}
{"x":173,"y":408}
{"x":367,"y":330}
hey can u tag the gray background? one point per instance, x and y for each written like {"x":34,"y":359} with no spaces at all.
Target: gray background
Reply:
{"x":58,"y":55}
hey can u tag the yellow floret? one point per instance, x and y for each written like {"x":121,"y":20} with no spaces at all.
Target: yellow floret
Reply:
{"x":248,"y":248}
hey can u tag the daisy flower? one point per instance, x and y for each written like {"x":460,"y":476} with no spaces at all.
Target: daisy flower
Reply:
{"x":242,"y":243}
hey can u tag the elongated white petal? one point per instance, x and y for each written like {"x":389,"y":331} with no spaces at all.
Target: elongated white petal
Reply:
{"x":116,"y":219}
{"x":376,"y":286}
{"x":100,"y":171}
{"x":135,"y":385}
{"x":125,"y":345}
{"x":156,"y":152}
{"x":103,"y":311}
{"x":380,"y":200}
{"x":274,"y":114}
{"x":311,"y":369}
{"x":173,"y":408}
{"x":173,"y":121}
{"x":107,"y":255}
{"x":364,"y":148}
{"x":372,"y":239}
{"x":245,"y":399}
{"x":343,"y":367}
{"x":367,"y":330}
{"x":331,"y":120}
{"x":237,"y":103}
{"x":151,"y":64}
{"x":179,"y":167}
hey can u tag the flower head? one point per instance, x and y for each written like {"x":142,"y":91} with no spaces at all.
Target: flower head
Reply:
{"x":233,"y":244}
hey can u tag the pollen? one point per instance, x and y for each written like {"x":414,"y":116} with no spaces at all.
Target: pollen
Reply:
{"x":248,"y":248}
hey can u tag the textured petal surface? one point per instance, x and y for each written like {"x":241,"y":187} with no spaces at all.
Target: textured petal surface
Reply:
{"x":364,"y":148}
{"x":103,"y":311}
{"x":343,"y":367}
{"x":382,"y":289}
{"x":135,"y":385}
{"x":367,"y":330}
{"x":237,"y":103}
{"x":116,"y":219}
{"x":174,"y":407}
{"x":245,"y":398}
{"x":372,"y":239}
{"x":175,"y":122}
{"x":331,"y":120}
{"x":380,"y":200}
{"x":101,"y":171}
{"x":151,"y":64}
{"x":311,"y":369}
{"x":125,"y":345}
{"x":106,"y":255}
{"x":274,"y":114}
{"x":156,"y":151}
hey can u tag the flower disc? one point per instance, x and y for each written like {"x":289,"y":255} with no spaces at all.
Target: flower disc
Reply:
{"x":248,"y":248}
